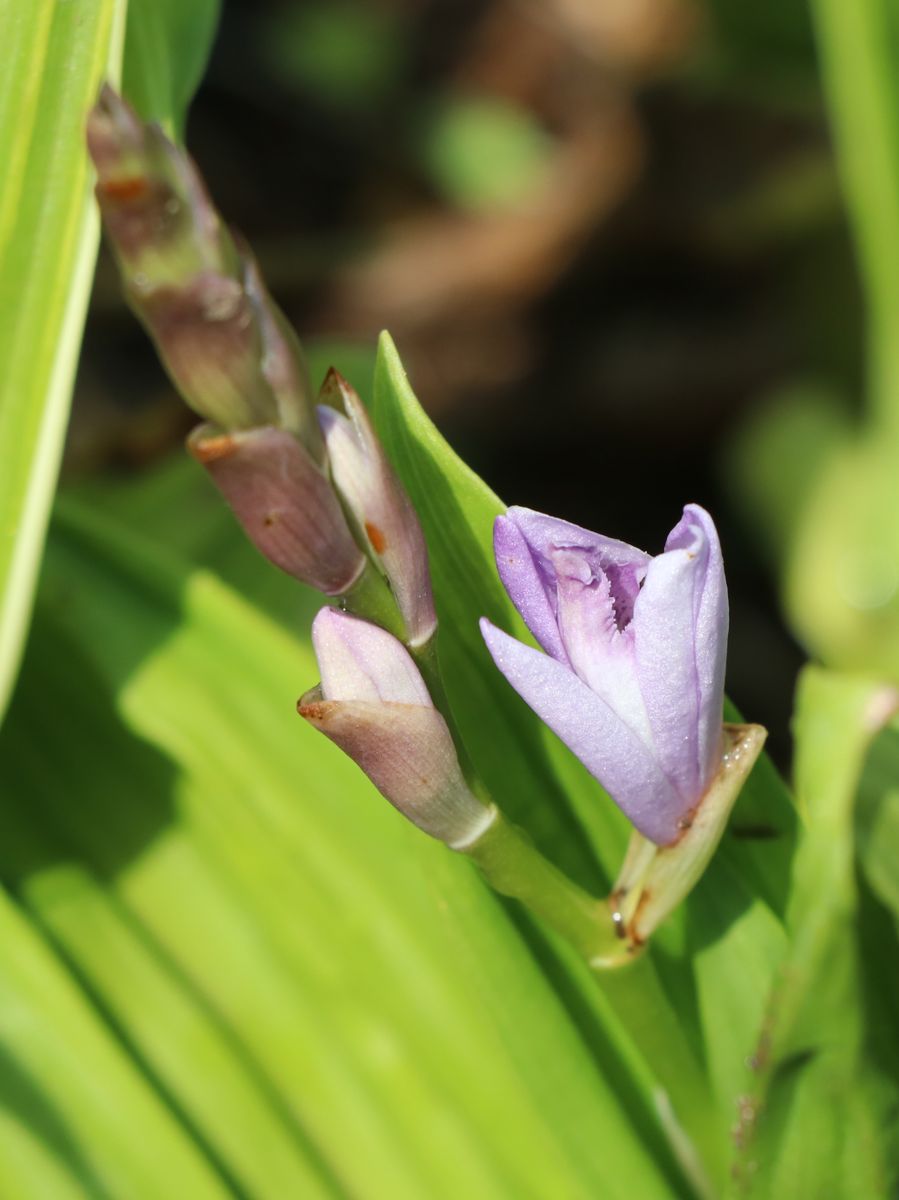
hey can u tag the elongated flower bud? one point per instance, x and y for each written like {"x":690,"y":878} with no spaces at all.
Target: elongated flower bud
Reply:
{"x":284,"y":501}
{"x":373,"y":704}
{"x":227,"y":347}
{"x":383,"y":513}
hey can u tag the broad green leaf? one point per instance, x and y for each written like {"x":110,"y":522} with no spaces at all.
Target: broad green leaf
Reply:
{"x":391,"y":1013}
{"x":54,"y":57}
{"x":814,"y":1087}
{"x":77,"y":1116}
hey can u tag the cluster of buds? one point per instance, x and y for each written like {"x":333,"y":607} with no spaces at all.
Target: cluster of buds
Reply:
{"x":631,"y":671}
{"x":309,"y":483}
{"x":306,"y":476}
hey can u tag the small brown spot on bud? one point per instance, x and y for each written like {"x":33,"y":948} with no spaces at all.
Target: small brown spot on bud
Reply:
{"x":211,"y":449}
{"x":317,"y":710}
{"x":123,"y":191}
{"x":376,"y":537}
{"x":270,"y":519}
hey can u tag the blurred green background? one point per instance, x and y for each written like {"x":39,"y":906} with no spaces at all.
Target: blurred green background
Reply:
{"x":604,"y":237}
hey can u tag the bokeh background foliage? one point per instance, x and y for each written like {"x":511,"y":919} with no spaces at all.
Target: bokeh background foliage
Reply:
{"x":229,"y":968}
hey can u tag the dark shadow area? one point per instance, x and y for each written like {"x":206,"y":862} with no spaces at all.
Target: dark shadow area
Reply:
{"x":67,"y":760}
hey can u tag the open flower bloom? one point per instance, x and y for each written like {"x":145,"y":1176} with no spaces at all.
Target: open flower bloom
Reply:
{"x":632,"y":678}
{"x":373,"y":703}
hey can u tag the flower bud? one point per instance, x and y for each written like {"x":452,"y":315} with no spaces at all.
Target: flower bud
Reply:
{"x":285,"y":503}
{"x":228,"y":349}
{"x":383,"y":513}
{"x":373,"y":704}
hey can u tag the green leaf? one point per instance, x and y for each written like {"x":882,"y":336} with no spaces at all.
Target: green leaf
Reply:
{"x":55,"y":56}
{"x":77,"y":1118}
{"x":858,"y":56}
{"x":361,"y":987}
{"x":814,"y":1086}
{"x":166,"y":47}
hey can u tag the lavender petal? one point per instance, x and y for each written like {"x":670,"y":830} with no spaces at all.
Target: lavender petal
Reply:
{"x":526,"y":586}
{"x":607,"y":747}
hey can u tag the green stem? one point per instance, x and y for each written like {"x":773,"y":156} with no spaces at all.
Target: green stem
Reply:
{"x":371,"y":598}
{"x":636,"y":994}
{"x":428,"y":662}
{"x":514,"y":867}
{"x":858,"y":64}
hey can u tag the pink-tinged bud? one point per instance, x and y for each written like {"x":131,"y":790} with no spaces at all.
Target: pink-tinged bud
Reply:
{"x":283,"y":363}
{"x":207,"y":337}
{"x":383,"y":512}
{"x":285,"y":503}
{"x":228,"y":348}
{"x":374,"y":705}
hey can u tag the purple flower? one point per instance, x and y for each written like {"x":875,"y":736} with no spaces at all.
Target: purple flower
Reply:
{"x":633,"y":675}
{"x":373,"y":703}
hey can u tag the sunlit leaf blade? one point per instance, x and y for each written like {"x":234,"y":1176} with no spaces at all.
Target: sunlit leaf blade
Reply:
{"x":77,"y":1117}
{"x":54,"y":57}
{"x":814,"y":1085}
{"x":398,"y":1020}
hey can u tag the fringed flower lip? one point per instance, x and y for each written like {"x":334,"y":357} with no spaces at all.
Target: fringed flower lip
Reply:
{"x":631,"y":672}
